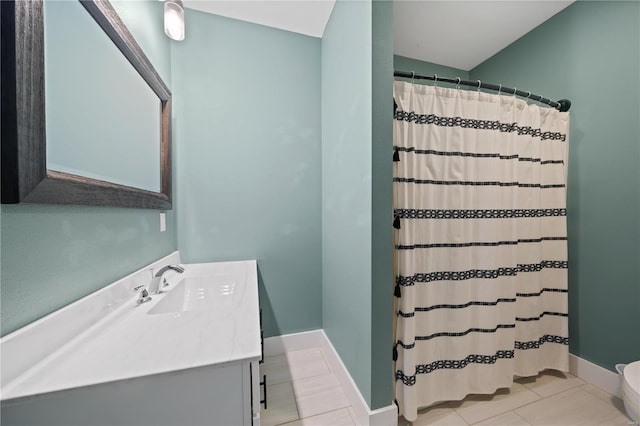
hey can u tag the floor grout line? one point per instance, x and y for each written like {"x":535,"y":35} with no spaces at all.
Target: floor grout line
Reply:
{"x":319,"y":414}
{"x":329,"y":371}
{"x":541,"y":398}
{"x":536,"y":401}
{"x":498,"y":415}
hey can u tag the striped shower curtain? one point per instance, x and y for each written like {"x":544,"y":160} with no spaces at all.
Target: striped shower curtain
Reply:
{"x":481,"y":242}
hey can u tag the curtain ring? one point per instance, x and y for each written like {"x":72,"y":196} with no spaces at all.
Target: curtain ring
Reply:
{"x":479,"y":84}
{"x":528,"y":94}
{"x":435,"y":77}
{"x":413,"y":74}
{"x":514,"y":92}
{"x":499,"y":89}
{"x":458,"y":83}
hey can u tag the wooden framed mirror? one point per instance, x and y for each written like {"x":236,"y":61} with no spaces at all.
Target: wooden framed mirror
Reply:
{"x":26,"y":177}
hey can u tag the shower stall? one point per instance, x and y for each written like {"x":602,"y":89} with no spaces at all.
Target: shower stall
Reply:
{"x":480,"y":238}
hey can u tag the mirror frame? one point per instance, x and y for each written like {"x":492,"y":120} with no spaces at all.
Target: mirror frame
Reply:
{"x":25,"y":177}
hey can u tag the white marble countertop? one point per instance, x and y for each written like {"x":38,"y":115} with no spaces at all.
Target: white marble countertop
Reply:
{"x":220,"y":324}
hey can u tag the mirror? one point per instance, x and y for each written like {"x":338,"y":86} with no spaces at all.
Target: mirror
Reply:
{"x":123,"y":146}
{"x":103,"y":136}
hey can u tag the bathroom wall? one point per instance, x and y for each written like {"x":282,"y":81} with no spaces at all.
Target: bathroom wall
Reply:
{"x":346,"y":186}
{"x":402,"y":63}
{"x":255,"y":181}
{"x":145,"y":21}
{"x":356,"y":192}
{"x":54,"y":255}
{"x":248,"y":177}
{"x":382,"y":374}
{"x":590,"y":53}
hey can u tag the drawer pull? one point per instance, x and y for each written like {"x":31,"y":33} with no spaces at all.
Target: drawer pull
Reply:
{"x":264,"y":384}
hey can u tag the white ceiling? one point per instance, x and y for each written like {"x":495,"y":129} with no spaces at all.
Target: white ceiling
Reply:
{"x":463,"y":34}
{"x":307,"y":17}
{"x":459,"y":34}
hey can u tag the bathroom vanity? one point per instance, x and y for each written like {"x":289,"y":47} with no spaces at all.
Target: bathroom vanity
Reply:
{"x":188,"y":356}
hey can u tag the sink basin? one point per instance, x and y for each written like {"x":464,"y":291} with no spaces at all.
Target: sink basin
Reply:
{"x":197,"y":294}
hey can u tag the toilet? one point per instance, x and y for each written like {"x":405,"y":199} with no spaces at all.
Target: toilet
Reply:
{"x":630,"y":388}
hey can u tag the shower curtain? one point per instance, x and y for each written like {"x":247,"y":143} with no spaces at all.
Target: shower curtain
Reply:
{"x":481,"y":242}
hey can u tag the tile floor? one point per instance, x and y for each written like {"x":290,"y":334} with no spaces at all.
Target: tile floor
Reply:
{"x":551,"y":398}
{"x":303,"y":391}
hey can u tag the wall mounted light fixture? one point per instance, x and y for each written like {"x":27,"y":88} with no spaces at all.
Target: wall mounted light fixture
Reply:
{"x":174,"y":19}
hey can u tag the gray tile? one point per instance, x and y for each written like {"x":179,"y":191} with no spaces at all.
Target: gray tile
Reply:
{"x":307,"y":363}
{"x":339,"y":417}
{"x":441,"y":414}
{"x":276,"y":368}
{"x":294,"y":365}
{"x":550,"y":382}
{"x":605,"y":396}
{"x":281,"y":405}
{"x":572,"y":407}
{"x":510,"y":418}
{"x":476,"y":408}
{"x":319,"y":394}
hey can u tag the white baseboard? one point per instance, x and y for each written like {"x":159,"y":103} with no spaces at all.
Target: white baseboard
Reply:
{"x":385,"y":416}
{"x":594,"y":374}
{"x":278,"y":345}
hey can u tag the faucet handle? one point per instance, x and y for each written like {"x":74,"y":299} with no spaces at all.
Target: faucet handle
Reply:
{"x":144,"y":295}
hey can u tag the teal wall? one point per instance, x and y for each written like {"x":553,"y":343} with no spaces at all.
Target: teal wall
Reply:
{"x":357,"y":242}
{"x":402,"y":63}
{"x":346,"y":186}
{"x":356,"y":192}
{"x":144,"y":19}
{"x":590,"y":53}
{"x":54,"y":255}
{"x":382,"y":376}
{"x":247,"y":126}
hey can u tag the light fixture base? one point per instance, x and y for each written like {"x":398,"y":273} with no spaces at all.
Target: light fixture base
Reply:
{"x":174,"y":19}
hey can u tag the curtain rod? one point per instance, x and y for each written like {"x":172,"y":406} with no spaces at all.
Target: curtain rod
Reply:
{"x":563,"y":104}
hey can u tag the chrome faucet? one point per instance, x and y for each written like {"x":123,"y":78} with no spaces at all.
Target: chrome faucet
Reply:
{"x":158,"y":281}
